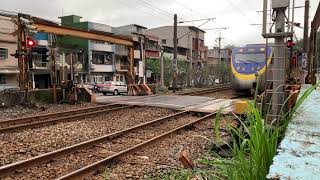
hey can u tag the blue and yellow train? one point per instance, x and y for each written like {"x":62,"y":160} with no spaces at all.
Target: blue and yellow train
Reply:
{"x":247,"y":63}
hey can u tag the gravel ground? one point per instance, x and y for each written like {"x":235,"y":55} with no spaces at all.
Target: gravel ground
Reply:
{"x":161,"y":157}
{"x":32,"y":142}
{"x":19,"y":111}
{"x":82,"y":158}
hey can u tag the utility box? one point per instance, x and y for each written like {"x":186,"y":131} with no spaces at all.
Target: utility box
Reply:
{"x":280,"y":4}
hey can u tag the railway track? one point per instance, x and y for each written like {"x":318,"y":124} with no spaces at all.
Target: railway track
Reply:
{"x":52,"y":118}
{"x":95,"y":153}
{"x":206,"y":91}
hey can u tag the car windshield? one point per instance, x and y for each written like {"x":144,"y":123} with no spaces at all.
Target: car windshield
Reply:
{"x":250,"y":58}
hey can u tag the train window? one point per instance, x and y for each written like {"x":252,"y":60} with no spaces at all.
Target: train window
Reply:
{"x":250,"y":58}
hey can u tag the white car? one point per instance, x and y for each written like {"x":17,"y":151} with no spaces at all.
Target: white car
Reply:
{"x":115,"y":87}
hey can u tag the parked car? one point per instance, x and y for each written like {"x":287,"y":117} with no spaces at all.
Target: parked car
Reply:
{"x":86,"y":85}
{"x":115,"y":87}
{"x":97,"y":86}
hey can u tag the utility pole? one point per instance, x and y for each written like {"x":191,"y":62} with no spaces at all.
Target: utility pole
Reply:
{"x":63,"y":57}
{"x":161,"y":66}
{"x":190,"y":59}
{"x":219,"y":39}
{"x":141,"y":63}
{"x":279,"y":62}
{"x":22,"y":57}
{"x":306,"y":42}
{"x":312,"y":53}
{"x":175,"y":52}
{"x":306,"y":27}
{"x":54,"y":78}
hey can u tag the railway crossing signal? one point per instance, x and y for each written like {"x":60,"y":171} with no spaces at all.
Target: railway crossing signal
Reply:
{"x":30,"y":43}
{"x":290,"y":43}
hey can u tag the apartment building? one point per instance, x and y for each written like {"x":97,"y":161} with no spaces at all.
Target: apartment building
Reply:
{"x":39,"y":65}
{"x":214,"y":56}
{"x":9,"y":71}
{"x":190,"y":43}
{"x":97,"y":62}
{"x":137,"y":33}
{"x":152,"y":47}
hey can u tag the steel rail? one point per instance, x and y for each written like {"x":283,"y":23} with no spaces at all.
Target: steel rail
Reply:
{"x":28,"y":119}
{"x":38,"y":120}
{"x":6,"y":169}
{"x":204,"y":91}
{"x":55,"y":120}
{"x":90,"y":169}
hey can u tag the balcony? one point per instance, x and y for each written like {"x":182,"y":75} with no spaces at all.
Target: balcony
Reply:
{"x":121,"y":68}
{"x":100,"y":47}
{"x":179,"y":57}
{"x":102,"y":68}
{"x":152,"y":47}
{"x":41,"y":65}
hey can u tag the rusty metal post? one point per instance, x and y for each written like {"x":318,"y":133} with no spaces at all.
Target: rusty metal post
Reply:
{"x":53,"y":77}
{"x":311,"y":78}
{"x":22,"y":59}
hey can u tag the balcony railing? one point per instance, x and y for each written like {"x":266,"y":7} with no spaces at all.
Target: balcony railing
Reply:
{"x":41,"y":65}
{"x":100,"y":47}
{"x":152,"y":47}
{"x":120,"y":67}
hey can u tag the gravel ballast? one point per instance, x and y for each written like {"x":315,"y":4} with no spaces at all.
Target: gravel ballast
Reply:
{"x":24,"y":144}
{"x":74,"y":161}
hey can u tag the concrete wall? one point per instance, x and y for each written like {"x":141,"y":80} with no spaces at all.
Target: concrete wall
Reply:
{"x":166,"y":32}
{"x":99,"y":27}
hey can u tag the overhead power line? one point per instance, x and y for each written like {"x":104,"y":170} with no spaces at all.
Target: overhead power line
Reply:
{"x":147,"y":4}
{"x":164,"y":18}
{"x":190,"y":9}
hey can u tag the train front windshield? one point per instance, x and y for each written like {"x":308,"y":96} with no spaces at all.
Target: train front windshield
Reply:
{"x":250,"y":58}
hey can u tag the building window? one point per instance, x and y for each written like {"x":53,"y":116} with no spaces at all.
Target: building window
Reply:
{"x":3,"y":79}
{"x":164,"y":41}
{"x":3,"y":54}
{"x":97,"y":59}
{"x":97,"y":79}
{"x":106,"y":59}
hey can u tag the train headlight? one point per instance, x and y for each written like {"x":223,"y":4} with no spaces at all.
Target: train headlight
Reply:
{"x":238,"y":67}
{"x":252,"y":68}
{"x":243,"y":69}
{"x":258,"y":67}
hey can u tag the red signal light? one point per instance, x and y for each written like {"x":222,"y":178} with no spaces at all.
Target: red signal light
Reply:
{"x":30,"y":43}
{"x":290,"y":43}
{"x":294,"y":60}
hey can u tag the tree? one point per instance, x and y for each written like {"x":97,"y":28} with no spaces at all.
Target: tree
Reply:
{"x":229,"y":46}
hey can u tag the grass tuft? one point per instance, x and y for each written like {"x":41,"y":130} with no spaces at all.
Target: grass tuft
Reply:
{"x":253,"y":146}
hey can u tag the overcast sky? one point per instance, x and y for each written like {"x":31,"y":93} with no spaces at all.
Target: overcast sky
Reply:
{"x":237,"y":15}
